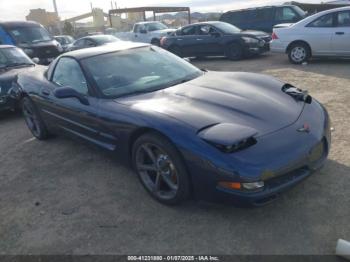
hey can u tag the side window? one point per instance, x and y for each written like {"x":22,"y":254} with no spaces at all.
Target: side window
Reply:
{"x":204,"y":29}
{"x":191,"y":30}
{"x":89,"y":43}
{"x":68,"y":73}
{"x":344,"y":19}
{"x":79,"y":43}
{"x":285,"y":14}
{"x":178,"y":32}
{"x":207,"y":30}
{"x":323,"y":21}
{"x":264,"y":14}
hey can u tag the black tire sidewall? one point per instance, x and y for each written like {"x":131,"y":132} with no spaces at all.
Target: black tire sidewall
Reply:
{"x":43,"y":132}
{"x":238,"y":51}
{"x":163,"y":143}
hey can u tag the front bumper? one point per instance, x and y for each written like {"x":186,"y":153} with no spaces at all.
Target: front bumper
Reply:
{"x":281,"y":159}
{"x":258,"y":49}
{"x":277,"y":46}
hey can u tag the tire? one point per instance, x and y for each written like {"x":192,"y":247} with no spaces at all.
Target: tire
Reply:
{"x":234,"y":52}
{"x":160,"y":169}
{"x":299,"y":53}
{"x":33,"y":119}
{"x":155,"y":42}
{"x":176,"y":51}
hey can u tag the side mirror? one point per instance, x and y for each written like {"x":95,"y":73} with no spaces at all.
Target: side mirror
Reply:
{"x":35,"y":60}
{"x":68,"y":92}
{"x":143,"y":31}
{"x":187,"y":59}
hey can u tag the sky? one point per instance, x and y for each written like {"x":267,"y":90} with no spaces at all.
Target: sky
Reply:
{"x":18,"y":9}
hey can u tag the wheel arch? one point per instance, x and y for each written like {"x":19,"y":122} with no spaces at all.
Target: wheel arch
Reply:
{"x":148,"y":130}
{"x":298,"y":42}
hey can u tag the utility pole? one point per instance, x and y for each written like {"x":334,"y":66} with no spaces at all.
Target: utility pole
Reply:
{"x":56,"y":11}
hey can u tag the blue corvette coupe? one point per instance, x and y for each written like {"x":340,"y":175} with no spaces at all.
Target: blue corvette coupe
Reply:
{"x":240,"y":137}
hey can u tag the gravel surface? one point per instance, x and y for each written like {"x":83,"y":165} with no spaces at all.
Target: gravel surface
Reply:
{"x":64,"y":197}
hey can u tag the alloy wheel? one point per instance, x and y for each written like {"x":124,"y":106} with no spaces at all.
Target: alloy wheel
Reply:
{"x":298,"y":54}
{"x":157,"y":171}
{"x":31,"y":119}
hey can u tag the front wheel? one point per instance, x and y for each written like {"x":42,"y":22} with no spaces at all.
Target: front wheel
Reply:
{"x":234,"y":52}
{"x":299,"y":53}
{"x":160,"y":169}
{"x":33,"y":120}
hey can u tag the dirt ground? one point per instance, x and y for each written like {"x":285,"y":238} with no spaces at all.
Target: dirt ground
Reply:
{"x":64,"y":197}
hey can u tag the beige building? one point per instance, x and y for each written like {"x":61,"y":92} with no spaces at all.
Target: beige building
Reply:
{"x":43,"y":17}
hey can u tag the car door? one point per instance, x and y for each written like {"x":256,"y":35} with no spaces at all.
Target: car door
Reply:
{"x":318,"y":34}
{"x":208,"y":40}
{"x":341,"y":36}
{"x":70,"y":114}
{"x":140,"y":33}
{"x":187,"y":41}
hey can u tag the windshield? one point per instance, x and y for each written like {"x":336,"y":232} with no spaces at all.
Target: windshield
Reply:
{"x":13,"y":57}
{"x":155,"y":26}
{"x":138,"y":70}
{"x":30,"y":35}
{"x":105,"y":39}
{"x":227,"y":28}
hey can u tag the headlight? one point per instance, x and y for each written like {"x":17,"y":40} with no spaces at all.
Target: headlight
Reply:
{"x":250,"y":40}
{"x":28,"y":51}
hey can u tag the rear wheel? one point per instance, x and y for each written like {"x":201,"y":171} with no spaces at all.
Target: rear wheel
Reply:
{"x":299,"y":53}
{"x":33,"y":120}
{"x":234,"y":51}
{"x":160,"y":169}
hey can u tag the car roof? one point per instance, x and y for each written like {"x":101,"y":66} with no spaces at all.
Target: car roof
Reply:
{"x":19,"y":23}
{"x":148,"y":22}
{"x":310,"y":18}
{"x":100,"y":50}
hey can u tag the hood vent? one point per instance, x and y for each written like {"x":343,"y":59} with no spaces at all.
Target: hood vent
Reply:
{"x":297,"y":93}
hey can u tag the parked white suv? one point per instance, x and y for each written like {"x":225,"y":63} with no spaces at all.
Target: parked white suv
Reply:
{"x":325,"y":34}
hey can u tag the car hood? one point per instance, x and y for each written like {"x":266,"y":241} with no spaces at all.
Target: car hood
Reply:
{"x":39,"y":44}
{"x":246,"y":99}
{"x":254,"y":33}
{"x":164,"y":31}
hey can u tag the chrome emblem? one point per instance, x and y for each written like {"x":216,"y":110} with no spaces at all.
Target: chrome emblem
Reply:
{"x":304,"y":129}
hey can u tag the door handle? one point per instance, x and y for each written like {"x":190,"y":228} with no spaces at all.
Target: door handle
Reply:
{"x":179,"y":39}
{"x":45,"y":92}
{"x":339,"y":33}
{"x":199,"y":39}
